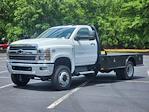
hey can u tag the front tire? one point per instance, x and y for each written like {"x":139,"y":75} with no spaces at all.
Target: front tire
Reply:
{"x":127,"y":72}
{"x":20,"y":80}
{"x":61,"y":79}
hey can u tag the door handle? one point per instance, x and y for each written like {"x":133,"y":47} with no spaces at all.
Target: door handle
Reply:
{"x":92,"y":44}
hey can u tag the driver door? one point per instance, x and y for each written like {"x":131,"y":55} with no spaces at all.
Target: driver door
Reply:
{"x":85,"y":49}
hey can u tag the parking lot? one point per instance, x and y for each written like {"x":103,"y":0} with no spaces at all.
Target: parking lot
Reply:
{"x":103,"y":94}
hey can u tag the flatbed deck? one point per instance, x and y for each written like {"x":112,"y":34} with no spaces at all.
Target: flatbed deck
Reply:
{"x":118,"y":60}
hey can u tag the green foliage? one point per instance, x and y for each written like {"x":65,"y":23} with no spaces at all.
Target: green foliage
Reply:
{"x":121,"y":23}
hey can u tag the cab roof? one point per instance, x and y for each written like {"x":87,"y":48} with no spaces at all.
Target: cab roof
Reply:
{"x":72,"y":26}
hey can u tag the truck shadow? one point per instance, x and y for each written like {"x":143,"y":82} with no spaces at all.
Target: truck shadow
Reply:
{"x":110,"y":78}
{"x":38,"y":85}
{"x":76,"y":81}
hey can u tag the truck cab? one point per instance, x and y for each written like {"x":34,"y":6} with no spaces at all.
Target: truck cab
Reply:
{"x":59,"y":53}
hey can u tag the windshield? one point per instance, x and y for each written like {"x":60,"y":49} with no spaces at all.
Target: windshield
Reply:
{"x":57,"y":33}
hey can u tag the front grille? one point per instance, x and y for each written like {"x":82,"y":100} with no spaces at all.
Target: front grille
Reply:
{"x":22,"y":52}
{"x":22,"y":68}
{"x":23,"y":47}
{"x":22,"y":57}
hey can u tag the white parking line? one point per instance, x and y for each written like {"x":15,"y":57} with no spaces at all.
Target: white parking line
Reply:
{"x":6,"y":86}
{"x":3,"y":71}
{"x":4,"y":77}
{"x":60,"y":100}
{"x":137,"y":81}
{"x":148,"y":73}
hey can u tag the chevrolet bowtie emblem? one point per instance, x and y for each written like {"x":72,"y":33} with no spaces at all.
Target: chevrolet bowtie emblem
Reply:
{"x":20,"y":51}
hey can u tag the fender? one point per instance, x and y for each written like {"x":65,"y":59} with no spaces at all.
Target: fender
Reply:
{"x":66,"y":56}
{"x":128,"y":58}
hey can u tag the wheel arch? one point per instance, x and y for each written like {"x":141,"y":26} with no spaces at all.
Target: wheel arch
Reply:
{"x":131,"y":59}
{"x":63,"y":61}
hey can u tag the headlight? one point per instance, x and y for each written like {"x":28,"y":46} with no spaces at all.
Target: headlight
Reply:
{"x":44,"y":54}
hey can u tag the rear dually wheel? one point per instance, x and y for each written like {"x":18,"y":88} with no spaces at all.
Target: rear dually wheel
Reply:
{"x":127,"y":72}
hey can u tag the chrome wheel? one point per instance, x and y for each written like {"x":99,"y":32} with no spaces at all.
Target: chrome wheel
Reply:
{"x":64,"y":78}
{"x":61,"y":79}
{"x":130,"y":70}
{"x":127,"y":72}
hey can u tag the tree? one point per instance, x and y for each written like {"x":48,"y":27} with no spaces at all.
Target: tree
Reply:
{"x":121,"y":23}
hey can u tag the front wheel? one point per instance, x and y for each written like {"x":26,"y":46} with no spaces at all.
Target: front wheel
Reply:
{"x":61,"y":79}
{"x":127,"y":72}
{"x":20,"y":80}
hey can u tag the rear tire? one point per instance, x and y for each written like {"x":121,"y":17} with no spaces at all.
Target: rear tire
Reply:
{"x":61,"y":79}
{"x":20,"y":80}
{"x":126,"y":73}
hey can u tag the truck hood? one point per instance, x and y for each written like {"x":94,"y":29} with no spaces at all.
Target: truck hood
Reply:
{"x":43,"y":41}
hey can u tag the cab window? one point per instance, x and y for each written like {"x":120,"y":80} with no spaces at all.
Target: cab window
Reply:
{"x":83,"y":32}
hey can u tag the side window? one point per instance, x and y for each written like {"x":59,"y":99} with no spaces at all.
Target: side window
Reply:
{"x":83,"y":32}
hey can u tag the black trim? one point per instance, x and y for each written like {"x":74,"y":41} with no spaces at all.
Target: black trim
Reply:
{"x":85,"y":65}
{"x":97,"y":64}
{"x":30,"y":63}
{"x":20,"y":68}
{"x":88,"y":67}
{"x":22,"y":47}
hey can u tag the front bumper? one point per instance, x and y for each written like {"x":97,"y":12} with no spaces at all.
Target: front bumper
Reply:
{"x":36,"y":69}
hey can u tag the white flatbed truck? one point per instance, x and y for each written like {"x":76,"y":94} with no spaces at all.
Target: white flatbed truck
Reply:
{"x":61,"y":52}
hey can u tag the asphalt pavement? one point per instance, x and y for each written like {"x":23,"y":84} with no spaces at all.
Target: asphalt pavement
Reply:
{"x":104,"y":94}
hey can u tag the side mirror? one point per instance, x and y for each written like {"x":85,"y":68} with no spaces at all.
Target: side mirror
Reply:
{"x":91,"y":36}
{"x":78,"y":37}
